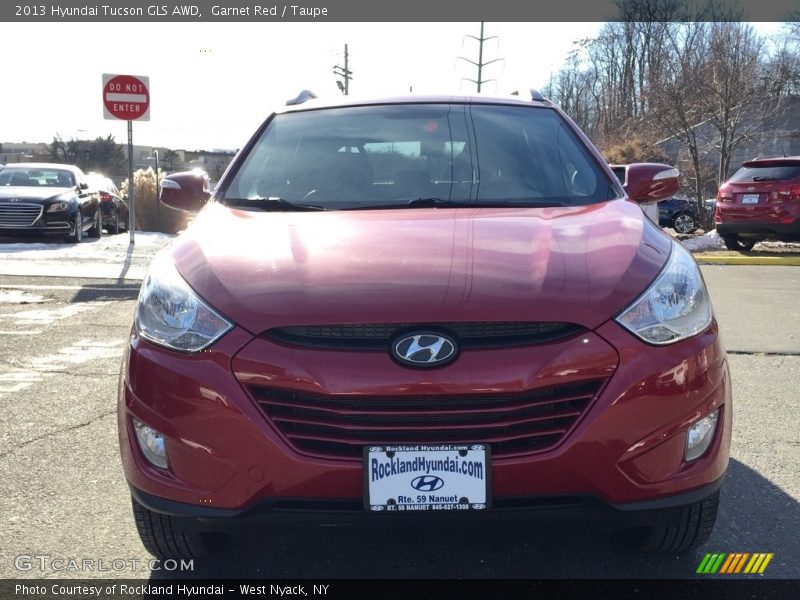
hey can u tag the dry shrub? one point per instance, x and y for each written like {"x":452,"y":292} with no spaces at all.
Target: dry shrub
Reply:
{"x":148,"y":217}
{"x":635,"y":151}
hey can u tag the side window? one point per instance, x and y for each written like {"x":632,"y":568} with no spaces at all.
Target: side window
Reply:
{"x":619,"y":173}
{"x":580,"y":173}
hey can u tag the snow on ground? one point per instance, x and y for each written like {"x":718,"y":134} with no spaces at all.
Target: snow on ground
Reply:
{"x":20,"y":297}
{"x":712,"y":241}
{"x":709,"y":241}
{"x":109,"y":257}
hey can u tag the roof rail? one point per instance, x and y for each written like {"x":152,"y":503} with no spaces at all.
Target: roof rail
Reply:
{"x":303,"y":96}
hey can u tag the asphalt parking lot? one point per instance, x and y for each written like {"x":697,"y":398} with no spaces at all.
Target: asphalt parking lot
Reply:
{"x":64,"y":496}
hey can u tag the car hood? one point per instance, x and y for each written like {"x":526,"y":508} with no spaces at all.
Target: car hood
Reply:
{"x":31,"y":194}
{"x":267,"y":269}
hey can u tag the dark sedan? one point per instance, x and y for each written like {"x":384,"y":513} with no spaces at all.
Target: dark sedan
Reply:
{"x":48,"y":199}
{"x":679,"y":213}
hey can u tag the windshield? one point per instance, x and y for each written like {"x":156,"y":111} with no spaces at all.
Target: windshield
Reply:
{"x":36,"y":177}
{"x":393,"y":155}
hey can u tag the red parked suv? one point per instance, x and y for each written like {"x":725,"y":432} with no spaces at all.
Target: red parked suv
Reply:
{"x":761,"y":201}
{"x":440,"y":305}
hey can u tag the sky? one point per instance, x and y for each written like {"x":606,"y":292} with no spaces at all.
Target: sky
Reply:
{"x":212,"y":84}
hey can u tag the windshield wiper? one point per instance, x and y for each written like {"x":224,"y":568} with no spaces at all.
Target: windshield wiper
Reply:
{"x":437,"y":203}
{"x":414,"y":203}
{"x":764,"y":178}
{"x":442,"y":203}
{"x":271,"y":203}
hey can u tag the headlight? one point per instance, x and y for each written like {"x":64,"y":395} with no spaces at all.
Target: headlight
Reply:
{"x":57,"y":207}
{"x":674,"y":307}
{"x":170,"y":314}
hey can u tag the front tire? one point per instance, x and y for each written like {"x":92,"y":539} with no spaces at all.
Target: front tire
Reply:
{"x":734,"y":242}
{"x":114,"y":229}
{"x":163,"y":539}
{"x":76,"y":236}
{"x":684,"y":223}
{"x":691,"y":530}
{"x":97,"y":229}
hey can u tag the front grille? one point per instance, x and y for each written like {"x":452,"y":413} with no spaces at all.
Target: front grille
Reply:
{"x":376,"y":336}
{"x":339,"y":426}
{"x":18,"y":214}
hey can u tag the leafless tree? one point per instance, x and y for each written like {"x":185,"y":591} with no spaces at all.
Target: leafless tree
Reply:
{"x":675,"y":110}
{"x":735,"y":99}
{"x":688,"y":77}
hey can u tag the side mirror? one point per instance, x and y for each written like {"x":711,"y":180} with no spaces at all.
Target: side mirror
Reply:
{"x":83,"y":186}
{"x":188,"y":191}
{"x":650,"y":182}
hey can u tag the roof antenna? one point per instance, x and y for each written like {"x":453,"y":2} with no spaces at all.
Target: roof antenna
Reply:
{"x":303,"y":96}
{"x":536,"y":95}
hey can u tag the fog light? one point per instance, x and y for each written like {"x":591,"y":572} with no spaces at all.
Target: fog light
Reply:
{"x":700,"y":435}
{"x":151,"y":443}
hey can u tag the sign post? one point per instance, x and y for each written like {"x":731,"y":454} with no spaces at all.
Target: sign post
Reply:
{"x":127,"y":98}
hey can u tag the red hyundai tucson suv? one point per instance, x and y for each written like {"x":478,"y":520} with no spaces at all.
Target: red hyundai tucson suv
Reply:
{"x":422,"y":308}
{"x":760,"y":201}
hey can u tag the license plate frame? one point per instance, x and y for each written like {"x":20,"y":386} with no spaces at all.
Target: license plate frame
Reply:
{"x":427,"y":478}
{"x":750,"y":198}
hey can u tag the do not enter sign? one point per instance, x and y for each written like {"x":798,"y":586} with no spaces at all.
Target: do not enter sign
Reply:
{"x":126,"y":97}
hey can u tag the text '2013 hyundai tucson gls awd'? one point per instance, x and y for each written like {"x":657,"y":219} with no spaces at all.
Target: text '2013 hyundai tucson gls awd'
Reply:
{"x":438,"y":305}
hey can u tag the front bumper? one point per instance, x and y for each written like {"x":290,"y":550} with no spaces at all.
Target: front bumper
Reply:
{"x":227,"y":458}
{"x":51,"y":228}
{"x":305,"y":511}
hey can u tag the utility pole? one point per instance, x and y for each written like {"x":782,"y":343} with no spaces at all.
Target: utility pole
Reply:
{"x":480,"y":64}
{"x":158,"y":199}
{"x":345,"y":73}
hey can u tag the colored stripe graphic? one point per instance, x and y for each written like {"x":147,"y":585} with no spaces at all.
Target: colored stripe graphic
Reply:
{"x":734,"y":563}
{"x":716,"y":565}
{"x":711,"y":563}
{"x":704,"y":564}
{"x":725,"y":563}
{"x":740,"y":565}
{"x":758,"y":563}
{"x":732,"y":558}
{"x":766,"y":562}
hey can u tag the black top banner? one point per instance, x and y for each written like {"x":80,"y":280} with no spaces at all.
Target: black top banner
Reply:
{"x":269,"y":11}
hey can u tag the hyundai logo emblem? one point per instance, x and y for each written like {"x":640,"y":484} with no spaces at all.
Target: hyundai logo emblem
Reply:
{"x":427,"y":483}
{"x":424,"y":349}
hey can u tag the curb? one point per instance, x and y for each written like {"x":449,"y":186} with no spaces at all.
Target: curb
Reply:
{"x":782,"y":261}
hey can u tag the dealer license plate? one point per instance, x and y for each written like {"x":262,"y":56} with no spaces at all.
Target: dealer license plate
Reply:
{"x":750,"y":199}
{"x":450,"y":477}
